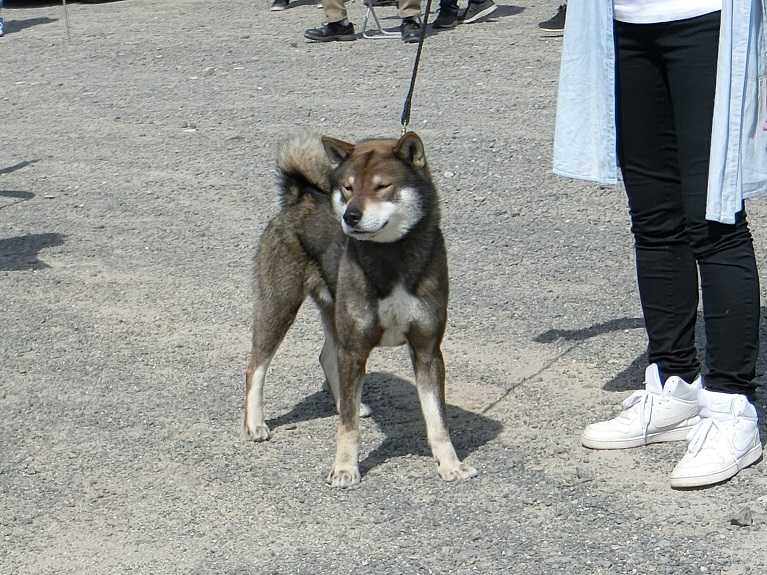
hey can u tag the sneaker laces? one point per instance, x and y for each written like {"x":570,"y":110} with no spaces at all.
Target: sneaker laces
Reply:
{"x":701,"y":431}
{"x":646,"y":402}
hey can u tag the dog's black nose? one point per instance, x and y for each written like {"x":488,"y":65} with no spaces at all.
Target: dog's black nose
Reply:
{"x":352,"y":216}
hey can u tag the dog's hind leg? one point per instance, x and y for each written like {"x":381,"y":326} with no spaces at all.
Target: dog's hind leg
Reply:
{"x":329,"y":361}
{"x":279,"y":291}
{"x":254,"y":426}
{"x":430,"y":382}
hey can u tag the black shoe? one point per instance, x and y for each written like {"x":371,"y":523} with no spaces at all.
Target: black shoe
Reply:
{"x":410,"y":30}
{"x":278,"y":5}
{"x":477,"y":10}
{"x":332,"y":31}
{"x":557,"y":22}
{"x":447,"y":18}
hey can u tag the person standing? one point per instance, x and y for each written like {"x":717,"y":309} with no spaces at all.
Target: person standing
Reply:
{"x":668,"y":91}
{"x":338,"y":27}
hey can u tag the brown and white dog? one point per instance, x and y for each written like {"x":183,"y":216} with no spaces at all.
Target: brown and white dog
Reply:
{"x":358,"y":231}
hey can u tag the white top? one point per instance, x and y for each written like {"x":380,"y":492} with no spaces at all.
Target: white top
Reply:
{"x":652,"y":11}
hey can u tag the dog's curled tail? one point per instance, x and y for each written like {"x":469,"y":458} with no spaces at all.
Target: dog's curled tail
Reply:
{"x":303,"y":167}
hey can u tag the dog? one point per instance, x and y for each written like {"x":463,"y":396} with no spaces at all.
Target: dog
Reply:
{"x":358,"y":232}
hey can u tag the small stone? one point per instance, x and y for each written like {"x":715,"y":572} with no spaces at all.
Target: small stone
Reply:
{"x":209,"y":71}
{"x":584,"y":473}
{"x":743,"y":518}
{"x":449,"y":174}
{"x":290,"y":426}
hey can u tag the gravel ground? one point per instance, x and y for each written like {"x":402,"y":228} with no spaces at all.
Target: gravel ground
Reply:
{"x":136,"y":172}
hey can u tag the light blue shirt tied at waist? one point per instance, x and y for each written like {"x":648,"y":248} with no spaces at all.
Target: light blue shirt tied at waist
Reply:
{"x":585,"y":136}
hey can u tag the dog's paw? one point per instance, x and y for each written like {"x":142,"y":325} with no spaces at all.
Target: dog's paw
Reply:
{"x":456,"y":471}
{"x":258,"y":433}
{"x":343,"y":476}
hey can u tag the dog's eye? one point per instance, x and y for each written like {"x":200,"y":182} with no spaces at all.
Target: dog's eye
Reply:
{"x":382,"y":187}
{"x":347,"y":191}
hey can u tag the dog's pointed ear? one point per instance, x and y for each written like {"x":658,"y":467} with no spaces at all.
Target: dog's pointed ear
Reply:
{"x":337,"y":150}
{"x":410,"y":149}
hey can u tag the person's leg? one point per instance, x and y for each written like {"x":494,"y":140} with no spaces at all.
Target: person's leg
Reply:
{"x":667,"y":276}
{"x":337,"y":27}
{"x":667,"y":408}
{"x":727,"y":438}
{"x":335,"y":10}
{"x":409,"y":8}
{"x":725,"y":253}
{"x":448,"y":14}
{"x":410,"y":28}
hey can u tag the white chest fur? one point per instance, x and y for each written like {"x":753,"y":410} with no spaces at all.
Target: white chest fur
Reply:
{"x":396,"y":313}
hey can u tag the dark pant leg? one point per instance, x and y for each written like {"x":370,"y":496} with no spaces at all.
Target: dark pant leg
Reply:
{"x":449,"y":6}
{"x":724,"y":253}
{"x":666,"y":272}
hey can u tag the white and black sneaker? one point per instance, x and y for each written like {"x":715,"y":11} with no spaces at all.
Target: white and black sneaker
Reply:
{"x":279,"y":5}
{"x":476,"y":11}
{"x":659,"y":412}
{"x":557,"y":22}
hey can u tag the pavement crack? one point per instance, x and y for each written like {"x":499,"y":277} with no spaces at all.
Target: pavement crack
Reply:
{"x":527,"y":378}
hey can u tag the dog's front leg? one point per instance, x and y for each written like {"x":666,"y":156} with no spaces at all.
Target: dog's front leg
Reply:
{"x":351,"y":369}
{"x":430,"y":382}
{"x":329,"y":362}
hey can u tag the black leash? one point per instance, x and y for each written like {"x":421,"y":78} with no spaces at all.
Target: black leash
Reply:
{"x":405,"y":119}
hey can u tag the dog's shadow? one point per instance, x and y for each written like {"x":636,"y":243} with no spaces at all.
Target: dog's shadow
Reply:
{"x":397,"y":413}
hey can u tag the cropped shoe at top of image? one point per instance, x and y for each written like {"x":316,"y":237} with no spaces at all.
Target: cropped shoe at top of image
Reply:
{"x":450,"y":14}
{"x":557,"y":22}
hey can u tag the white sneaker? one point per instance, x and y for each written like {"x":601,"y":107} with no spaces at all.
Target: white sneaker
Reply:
{"x":725,"y":441}
{"x":658,"y":413}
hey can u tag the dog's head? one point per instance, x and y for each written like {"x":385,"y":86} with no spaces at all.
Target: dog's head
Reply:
{"x":381,"y":188}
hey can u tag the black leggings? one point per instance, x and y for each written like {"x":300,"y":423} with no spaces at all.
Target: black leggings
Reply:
{"x":666,"y":83}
